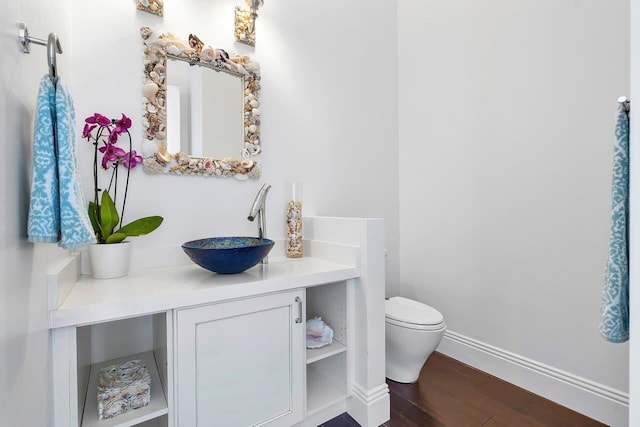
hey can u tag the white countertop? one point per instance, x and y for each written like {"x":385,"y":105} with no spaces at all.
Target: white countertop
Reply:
{"x":159,"y":289}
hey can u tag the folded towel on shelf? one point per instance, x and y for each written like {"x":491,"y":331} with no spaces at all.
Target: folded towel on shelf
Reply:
{"x":614,"y":324}
{"x":75,"y":227}
{"x":43,"y":224}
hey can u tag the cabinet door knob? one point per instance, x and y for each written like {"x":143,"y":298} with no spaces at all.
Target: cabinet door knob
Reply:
{"x":299,"y":318}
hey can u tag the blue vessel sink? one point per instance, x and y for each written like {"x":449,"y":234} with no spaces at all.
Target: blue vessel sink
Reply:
{"x":228,"y":255}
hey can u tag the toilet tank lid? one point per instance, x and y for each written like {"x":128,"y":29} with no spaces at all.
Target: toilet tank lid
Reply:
{"x":410,"y":311}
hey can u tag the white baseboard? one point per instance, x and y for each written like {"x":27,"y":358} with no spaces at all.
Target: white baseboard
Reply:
{"x":592,"y":399}
{"x":370,"y":408}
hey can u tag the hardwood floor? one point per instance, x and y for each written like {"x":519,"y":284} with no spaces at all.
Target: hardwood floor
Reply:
{"x":450,"y":393}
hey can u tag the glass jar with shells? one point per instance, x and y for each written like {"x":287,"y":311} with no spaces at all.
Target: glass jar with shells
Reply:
{"x":294,"y":220}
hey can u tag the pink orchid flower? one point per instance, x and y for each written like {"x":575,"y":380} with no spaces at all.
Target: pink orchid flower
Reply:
{"x":98,"y":118}
{"x":111,"y":154}
{"x":113,"y":136}
{"x":122,"y":124}
{"x":86,"y":132}
{"x":130,"y":160}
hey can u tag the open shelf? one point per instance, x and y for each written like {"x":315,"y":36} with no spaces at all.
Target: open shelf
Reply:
{"x":327,"y":366}
{"x":316,"y":354}
{"x":155,"y":422}
{"x":322,"y":390}
{"x":156,"y":407}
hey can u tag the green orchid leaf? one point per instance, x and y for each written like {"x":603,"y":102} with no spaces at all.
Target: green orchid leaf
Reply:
{"x":95,"y":223}
{"x":108,"y":215}
{"x":92,"y":217}
{"x":141,"y":226}
{"x":116,"y":237}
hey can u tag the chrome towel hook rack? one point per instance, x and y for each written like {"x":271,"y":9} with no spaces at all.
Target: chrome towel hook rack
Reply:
{"x":53,"y":46}
{"x":626,"y":103}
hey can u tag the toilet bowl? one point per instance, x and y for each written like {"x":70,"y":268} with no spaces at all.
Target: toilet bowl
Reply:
{"x":413,"y":331}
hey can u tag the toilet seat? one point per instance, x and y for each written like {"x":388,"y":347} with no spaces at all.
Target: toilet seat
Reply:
{"x":412,"y":314}
{"x":438,"y":327}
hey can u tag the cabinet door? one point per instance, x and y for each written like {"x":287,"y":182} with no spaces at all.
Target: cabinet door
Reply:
{"x":241,"y":363}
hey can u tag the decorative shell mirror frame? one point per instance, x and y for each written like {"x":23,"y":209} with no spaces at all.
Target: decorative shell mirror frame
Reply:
{"x":204,"y":61}
{"x":152,"y":6}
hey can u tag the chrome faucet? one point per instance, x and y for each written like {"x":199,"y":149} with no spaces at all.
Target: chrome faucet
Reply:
{"x":258,"y":209}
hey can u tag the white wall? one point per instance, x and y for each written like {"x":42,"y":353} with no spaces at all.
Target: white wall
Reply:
{"x":329,"y":121}
{"x":506,"y":132}
{"x":24,"y":339}
{"x":506,"y":113}
{"x":329,"y":110}
{"x":634,"y":297}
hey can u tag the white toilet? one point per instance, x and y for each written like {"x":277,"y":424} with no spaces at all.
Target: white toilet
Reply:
{"x":413,"y":331}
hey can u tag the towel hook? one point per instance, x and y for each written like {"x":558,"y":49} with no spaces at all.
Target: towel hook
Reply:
{"x":53,"y":46}
{"x":626,"y":103}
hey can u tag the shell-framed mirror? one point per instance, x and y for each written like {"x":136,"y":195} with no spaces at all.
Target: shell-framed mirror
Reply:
{"x":201,"y":109}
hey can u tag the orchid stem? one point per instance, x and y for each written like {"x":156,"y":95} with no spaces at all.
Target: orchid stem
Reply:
{"x":126,"y":186}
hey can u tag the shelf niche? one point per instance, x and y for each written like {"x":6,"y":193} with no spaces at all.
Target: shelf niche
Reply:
{"x":116,"y":342}
{"x":327,"y":366}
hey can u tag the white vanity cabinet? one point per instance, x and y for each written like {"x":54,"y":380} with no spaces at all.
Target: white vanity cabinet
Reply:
{"x":230,"y":350}
{"x":241,"y":363}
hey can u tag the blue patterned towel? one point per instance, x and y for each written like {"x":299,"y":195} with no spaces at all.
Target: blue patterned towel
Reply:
{"x":75,"y":227}
{"x":614,"y":325}
{"x":56,"y":209}
{"x":43,"y":224}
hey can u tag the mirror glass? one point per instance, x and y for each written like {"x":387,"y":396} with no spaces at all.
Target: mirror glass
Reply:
{"x":204,"y":111}
{"x":201,"y":109}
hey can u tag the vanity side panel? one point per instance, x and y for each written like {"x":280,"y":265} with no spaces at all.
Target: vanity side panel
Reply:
{"x":65,"y":380}
{"x":369,"y":403}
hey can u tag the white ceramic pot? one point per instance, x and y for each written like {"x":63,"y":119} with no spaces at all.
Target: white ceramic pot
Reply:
{"x":110,"y":261}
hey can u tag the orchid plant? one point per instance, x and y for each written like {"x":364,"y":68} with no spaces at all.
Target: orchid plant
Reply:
{"x":104,"y":133}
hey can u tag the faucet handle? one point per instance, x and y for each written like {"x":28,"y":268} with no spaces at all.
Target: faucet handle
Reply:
{"x":259,"y":201}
